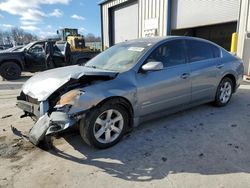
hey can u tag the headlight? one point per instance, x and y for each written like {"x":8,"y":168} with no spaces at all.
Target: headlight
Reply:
{"x":70,"y":97}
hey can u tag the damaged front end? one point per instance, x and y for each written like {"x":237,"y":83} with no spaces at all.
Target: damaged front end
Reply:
{"x":47,"y":125}
{"x":63,"y":108}
{"x":59,"y":119}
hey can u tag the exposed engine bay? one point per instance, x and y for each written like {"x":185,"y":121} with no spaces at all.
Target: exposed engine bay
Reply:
{"x":63,"y":107}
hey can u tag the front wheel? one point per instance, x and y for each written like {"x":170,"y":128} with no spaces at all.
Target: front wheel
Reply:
{"x":104,"y":126}
{"x":224,"y":92}
{"x":10,"y":71}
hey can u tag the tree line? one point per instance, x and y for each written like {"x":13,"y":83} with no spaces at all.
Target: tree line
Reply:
{"x":17,"y":36}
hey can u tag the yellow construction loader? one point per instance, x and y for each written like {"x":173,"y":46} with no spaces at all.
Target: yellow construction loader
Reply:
{"x":77,"y":44}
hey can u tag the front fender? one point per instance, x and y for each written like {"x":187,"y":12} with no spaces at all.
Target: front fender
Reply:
{"x":89,"y":100}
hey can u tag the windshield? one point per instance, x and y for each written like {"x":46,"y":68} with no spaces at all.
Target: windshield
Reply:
{"x":119,"y":58}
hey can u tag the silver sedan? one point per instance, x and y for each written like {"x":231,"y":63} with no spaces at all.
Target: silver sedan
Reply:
{"x":129,"y":83}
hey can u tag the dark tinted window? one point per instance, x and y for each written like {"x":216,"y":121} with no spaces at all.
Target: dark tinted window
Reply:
{"x":170,"y":54}
{"x":198,"y":51}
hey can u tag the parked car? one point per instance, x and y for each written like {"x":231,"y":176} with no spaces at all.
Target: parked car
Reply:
{"x":129,"y":83}
{"x":39,"y":56}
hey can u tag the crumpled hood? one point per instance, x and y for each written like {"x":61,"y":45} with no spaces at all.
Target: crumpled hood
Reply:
{"x":42,"y":85}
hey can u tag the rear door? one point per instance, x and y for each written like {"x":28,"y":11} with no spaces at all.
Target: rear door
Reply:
{"x":204,"y":59}
{"x":167,"y":88}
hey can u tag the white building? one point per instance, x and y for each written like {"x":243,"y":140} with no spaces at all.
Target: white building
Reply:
{"x":215,"y":20}
{"x":243,"y":30}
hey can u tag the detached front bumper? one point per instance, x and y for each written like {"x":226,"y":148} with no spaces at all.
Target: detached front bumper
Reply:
{"x":48,"y":122}
{"x":46,"y":125}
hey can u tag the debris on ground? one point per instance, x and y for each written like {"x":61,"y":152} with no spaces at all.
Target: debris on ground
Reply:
{"x":149,"y":139}
{"x":164,"y":159}
{"x":10,"y":148}
{"x":201,"y":155}
{"x":234,"y":125}
{"x":147,"y":154}
{"x":18,"y":133}
{"x":19,"y":143}
{"x":3,"y":117}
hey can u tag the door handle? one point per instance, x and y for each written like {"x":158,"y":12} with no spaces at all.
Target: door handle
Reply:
{"x":220,"y":66}
{"x":185,"y":75}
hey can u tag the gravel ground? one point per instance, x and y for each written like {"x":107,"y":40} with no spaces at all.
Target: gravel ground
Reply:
{"x":201,"y":147}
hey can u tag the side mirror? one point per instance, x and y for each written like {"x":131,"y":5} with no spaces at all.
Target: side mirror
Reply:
{"x":152,"y":66}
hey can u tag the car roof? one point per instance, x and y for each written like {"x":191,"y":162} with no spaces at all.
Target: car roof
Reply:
{"x":154,"y":40}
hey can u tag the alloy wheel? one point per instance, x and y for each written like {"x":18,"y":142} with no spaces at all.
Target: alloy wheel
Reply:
{"x":108,"y":126}
{"x":225,"y":92}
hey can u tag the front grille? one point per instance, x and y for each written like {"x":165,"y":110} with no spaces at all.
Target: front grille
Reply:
{"x":22,"y":97}
{"x":27,"y":98}
{"x":32,"y":100}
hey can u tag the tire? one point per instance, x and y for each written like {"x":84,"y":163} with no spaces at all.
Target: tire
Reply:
{"x":224,"y":92}
{"x":10,"y":71}
{"x":101,"y":132}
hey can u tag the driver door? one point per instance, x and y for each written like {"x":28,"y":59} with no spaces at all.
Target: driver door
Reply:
{"x":169,"y":87}
{"x":35,"y":57}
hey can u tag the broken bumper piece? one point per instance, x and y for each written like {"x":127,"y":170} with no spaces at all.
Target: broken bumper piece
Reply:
{"x":46,"y":125}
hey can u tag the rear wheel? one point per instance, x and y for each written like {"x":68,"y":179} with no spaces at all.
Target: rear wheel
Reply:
{"x":224,"y":92}
{"x":104,"y":126}
{"x":10,"y":71}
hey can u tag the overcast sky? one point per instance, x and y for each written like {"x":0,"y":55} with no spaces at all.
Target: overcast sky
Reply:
{"x":44,"y":17}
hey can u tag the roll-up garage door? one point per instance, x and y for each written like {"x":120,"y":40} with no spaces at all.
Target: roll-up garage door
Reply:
{"x":125,"y":23}
{"x":194,"y":13}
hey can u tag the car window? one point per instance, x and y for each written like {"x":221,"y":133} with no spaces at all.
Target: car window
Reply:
{"x":170,"y":54}
{"x":37,"y":49}
{"x":198,"y":50}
